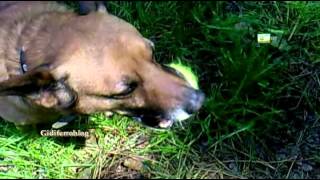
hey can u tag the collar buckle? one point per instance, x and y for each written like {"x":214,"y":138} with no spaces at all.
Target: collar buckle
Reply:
{"x":22,"y":60}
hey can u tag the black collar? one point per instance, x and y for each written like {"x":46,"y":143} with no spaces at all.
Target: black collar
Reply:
{"x":22,"y":60}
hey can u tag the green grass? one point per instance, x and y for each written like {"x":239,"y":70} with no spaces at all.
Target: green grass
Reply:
{"x":260,"y":98}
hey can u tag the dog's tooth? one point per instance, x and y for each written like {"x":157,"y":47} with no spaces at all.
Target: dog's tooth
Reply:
{"x":120,"y":112}
{"x":165,"y":123}
{"x":108,"y":113}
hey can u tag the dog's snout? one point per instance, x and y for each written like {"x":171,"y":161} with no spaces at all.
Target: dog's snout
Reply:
{"x":195,"y":99}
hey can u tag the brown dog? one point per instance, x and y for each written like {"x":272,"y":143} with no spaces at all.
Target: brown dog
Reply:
{"x":54,"y":63}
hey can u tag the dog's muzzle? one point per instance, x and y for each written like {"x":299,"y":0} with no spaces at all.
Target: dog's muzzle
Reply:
{"x":164,"y":120}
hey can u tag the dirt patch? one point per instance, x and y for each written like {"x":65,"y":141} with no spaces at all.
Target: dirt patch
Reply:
{"x":121,"y":172}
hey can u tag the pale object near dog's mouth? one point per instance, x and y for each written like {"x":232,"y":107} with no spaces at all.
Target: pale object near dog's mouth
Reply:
{"x":163,"y":122}
{"x":166,"y":123}
{"x":148,"y":120}
{"x":154,"y":122}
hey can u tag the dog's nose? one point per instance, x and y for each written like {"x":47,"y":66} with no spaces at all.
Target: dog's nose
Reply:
{"x":195,"y":99}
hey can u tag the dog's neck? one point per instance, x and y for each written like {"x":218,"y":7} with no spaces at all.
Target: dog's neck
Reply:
{"x":13,"y":32}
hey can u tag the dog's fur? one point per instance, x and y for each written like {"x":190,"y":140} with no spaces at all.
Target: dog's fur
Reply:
{"x":82,"y":64}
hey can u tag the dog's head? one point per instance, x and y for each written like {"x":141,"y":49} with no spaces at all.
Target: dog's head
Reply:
{"x":99,"y":63}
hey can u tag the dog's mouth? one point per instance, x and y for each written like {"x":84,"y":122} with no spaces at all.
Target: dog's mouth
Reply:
{"x":162,"y":121}
{"x":158,"y":122}
{"x":156,"y":119}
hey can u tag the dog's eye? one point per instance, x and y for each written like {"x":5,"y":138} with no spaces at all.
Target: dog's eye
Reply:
{"x":127,"y":92}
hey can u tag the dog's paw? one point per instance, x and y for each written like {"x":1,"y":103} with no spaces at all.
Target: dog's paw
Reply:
{"x":64,"y":121}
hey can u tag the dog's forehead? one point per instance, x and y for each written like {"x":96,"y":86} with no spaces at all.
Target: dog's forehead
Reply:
{"x":107,"y":52}
{"x":113,"y":31}
{"x":106,"y":23}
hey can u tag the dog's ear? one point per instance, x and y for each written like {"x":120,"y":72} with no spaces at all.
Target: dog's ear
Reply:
{"x":40,"y":87}
{"x":31,"y":81}
{"x":85,"y":7}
